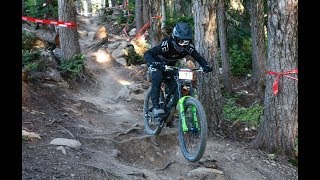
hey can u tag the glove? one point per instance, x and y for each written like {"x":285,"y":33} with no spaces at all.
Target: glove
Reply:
{"x":207,"y":69}
{"x":157,"y":65}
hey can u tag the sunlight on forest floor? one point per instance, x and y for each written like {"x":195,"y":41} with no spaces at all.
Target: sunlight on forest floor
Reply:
{"x":123,"y":82}
{"x":102,"y":56}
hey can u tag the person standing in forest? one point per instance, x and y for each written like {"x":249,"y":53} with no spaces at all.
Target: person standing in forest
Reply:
{"x":168,"y":52}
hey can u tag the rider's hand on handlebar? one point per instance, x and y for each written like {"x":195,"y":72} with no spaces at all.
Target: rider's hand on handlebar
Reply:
{"x":157,"y":65}
{"x":207,"y":69}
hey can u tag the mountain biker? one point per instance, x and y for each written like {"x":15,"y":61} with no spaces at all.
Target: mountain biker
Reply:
{"x":168,"y":52}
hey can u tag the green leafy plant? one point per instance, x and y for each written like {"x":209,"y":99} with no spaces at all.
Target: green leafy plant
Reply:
{"x":28,"y":40}
{"x":251,"y":115}
{"x":132,"y":57}
{"x":171,"y":22}
{"x":36,"y":9}
{"x":74,"y":66}
{"x":31,"y":60}
{"x":240,"y":63}
{"x":294,"y":159}
{"x":29,"y":56}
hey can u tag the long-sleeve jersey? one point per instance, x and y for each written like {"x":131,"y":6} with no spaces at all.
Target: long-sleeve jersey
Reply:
{"x":166,"y":52}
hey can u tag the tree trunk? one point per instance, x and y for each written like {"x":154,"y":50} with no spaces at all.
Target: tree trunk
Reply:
{"x":187,"y":8}
{"x":256,"y":10}
{"x":69,"y":38}
{"x":111,"y":3}
{"x":170,"y":5}
{"x":87,"y":8}
{"x":178,"y":7}
{"x":224,"y":47}
{"x":163,"y":14}
{"x":206,"y":43}
{"x":146,"y":11}
{"x":138,"y":15}
{"x":103,"y":3}
{"x":23,"y":7}
{"x":279,"y":127}
{"x":155,"y":24}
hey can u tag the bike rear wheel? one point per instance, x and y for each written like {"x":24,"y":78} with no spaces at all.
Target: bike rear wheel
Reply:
{"x":151,"y":125}
{"x":193,"y":136}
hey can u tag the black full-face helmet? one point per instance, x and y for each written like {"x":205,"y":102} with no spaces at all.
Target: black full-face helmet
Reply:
{"x":182,"y":36}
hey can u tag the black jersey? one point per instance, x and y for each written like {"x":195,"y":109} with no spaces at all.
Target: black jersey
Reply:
{"x":165,"y":52}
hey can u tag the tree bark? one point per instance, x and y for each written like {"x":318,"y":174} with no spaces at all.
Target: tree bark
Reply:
{"x":170,"y":5}
{"x":163,"y":14}
{"x":87,"y":8}
{"x":138,"y":14}
{"x":178,"y":7}
{"x":279,"y":126}
{"x":146,"y":11}
{"x":256,"y":10}
{"x":206,"y":43}
{"x":103,"y":3}
{"x":69,"y":38}
{"x":111,"y":3}
{"x":155,"y":24}
{"x":23,"y":7}
{"x":224,"y":47}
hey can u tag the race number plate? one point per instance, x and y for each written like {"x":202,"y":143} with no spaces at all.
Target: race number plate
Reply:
{"x":185,"y":74}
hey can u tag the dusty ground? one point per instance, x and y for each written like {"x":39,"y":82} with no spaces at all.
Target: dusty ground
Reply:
{"x":113,"y":142}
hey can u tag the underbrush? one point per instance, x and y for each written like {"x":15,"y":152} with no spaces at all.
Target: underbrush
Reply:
{"x":251,"y":115}
{"x":73,"y":67}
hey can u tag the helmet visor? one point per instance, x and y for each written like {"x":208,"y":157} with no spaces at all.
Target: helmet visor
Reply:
{"x":182,"y":42}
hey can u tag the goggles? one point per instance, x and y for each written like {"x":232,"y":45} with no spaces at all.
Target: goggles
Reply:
{"x":182,"y":42}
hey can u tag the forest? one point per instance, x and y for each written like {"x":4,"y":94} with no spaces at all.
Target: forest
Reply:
{"x":247,"y":40}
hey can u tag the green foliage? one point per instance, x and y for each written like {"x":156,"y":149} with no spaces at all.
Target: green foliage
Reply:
{"x":240,"y":63}
{"x":172,"y":21}
{"x":251,"y":115}
{"x":131,"y":7}
{"x":132,"y":57}
{"x":123,"y":18}
{"x":27,"y":40}
{"x":35,"y":8}
{"x":34,"y":66}
{"x":296,"y":145}
{"x":128,"y":15}
{"x":31,"y":60}
{"x":73,"y":67}
{"x":294,"y":160}
{"x":239,"y":40}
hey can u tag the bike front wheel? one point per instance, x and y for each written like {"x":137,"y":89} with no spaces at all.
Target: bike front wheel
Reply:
{"x":192,"y":130}
{"x":151,"y":126}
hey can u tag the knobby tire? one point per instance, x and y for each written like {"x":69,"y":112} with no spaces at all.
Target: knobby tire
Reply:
{"x":147,"y":117}
{"x":201,"y":116}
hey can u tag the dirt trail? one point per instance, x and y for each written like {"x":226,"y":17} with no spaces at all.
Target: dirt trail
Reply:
{"x":115,"y":146}
{"x":150,"y":154}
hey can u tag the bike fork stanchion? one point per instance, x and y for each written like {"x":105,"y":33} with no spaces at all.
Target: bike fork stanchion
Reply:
{"x":182,"y":113}
{"x":194,"y":115}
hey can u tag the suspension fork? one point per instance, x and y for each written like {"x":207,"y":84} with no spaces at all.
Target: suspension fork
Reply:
{"x":181,"y":103}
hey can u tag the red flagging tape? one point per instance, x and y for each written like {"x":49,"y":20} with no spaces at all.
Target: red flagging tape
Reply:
{"x":56,"y":23}
{"x":275,"y":86}
{"x":146,"y":26}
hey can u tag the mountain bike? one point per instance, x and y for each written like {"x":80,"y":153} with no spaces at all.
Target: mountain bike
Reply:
{"x":192,"y":123}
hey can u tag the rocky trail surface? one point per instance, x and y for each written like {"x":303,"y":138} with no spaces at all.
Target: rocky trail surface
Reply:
{"x":95,"y":131}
